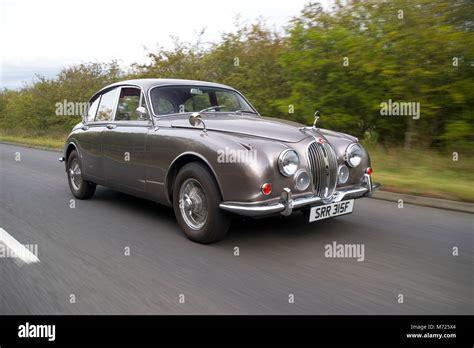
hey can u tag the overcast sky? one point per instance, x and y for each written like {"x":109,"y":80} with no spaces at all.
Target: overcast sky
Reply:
{"x":42,"y":36}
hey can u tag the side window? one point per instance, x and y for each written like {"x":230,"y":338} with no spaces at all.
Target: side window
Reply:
{"x":93,"y":109}
{"x":128,"y":103}
{"x":106,"y":106}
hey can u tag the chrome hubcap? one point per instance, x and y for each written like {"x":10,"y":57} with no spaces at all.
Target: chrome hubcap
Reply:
{"x":192,"y":204}
{"x":75,"y":175}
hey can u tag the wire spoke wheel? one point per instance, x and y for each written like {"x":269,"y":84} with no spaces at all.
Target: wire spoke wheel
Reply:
{"x":193,"y":204}
{"x":75,"y":175}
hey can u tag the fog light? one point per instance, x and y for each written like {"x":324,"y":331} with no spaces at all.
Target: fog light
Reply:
{"x":369,"y":170}
{"x":302,"y":180}
{"x":343,"y":174}
{"x":266,"y":189}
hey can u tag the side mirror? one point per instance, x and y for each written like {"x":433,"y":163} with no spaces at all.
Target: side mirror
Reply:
{"x":141,"y":112}
{"x":196,"y":120}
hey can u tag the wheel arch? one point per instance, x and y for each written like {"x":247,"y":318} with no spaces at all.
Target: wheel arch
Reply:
{"x":181,"y":161}
{"x":70,"y":147}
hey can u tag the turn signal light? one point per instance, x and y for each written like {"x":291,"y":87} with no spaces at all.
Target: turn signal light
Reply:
{"x":266,"y":189}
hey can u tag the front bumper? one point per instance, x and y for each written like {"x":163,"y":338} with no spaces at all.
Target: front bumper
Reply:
{"x":287,"y":204}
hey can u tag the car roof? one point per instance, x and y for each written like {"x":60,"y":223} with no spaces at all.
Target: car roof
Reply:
{"x":146,"y":84}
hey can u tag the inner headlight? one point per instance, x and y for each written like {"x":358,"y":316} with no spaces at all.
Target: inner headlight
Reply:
{"x":302,"y":180}
{"x":353,"y":155}
{"x":288,"y":162}
{"x":343,"y":174}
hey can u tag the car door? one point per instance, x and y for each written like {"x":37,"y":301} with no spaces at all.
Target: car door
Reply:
{"x":90,"y":137}
{"x":124,"y":142}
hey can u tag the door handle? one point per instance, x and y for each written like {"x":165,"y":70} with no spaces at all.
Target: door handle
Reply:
{"x":85,"y":127}
{"x":111,"y":126}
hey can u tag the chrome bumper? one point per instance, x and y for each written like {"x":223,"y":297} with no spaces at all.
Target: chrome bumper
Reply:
{"x":287,"y":204}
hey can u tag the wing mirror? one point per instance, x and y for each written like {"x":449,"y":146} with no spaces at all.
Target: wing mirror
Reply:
{"x":196,"y":120}
{"x":141,"y":112}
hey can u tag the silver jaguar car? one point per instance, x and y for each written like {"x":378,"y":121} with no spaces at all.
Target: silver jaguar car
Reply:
{"x":204,"y":150}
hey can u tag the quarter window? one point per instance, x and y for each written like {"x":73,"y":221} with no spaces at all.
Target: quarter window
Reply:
{"x":93,"y":109}
{"x":106,"y":106}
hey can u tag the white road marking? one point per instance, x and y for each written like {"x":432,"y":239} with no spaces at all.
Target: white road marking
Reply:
{"x":17,"y":249}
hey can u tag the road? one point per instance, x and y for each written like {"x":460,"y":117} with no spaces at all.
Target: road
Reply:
{"x":82,"y":252}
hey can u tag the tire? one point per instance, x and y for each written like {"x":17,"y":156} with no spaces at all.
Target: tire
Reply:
{"x":196,"y":190}
{"x":80,"y":188}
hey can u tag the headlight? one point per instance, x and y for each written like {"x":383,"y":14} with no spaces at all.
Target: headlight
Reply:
{"x":288,"y":162}
{"x":353,"y":155}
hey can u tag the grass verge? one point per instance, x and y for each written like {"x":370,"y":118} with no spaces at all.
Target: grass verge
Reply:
{"x":423,"y":172}
{"x":55,"y":141}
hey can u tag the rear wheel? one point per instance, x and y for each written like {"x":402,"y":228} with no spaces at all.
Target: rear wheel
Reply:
{"x":80,"y":188}
{"x":196,"y":201}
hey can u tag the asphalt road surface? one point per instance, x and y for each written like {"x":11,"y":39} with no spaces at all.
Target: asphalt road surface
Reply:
{"x":82,"y":257}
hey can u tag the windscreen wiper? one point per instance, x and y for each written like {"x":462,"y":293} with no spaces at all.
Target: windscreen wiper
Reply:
{"x":246,"y":112}
{"x":212,"y":108}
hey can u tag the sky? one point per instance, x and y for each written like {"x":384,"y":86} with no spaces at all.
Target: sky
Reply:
{"x":42,"y":37}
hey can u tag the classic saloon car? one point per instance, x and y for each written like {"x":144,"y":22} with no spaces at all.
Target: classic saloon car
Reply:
{"x":204,"y":150}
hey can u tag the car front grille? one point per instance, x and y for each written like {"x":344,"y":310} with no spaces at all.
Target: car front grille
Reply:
{"x":323,"y":164}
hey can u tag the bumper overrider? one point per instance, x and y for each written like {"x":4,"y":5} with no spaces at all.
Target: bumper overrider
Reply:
{"x":287,"y":203}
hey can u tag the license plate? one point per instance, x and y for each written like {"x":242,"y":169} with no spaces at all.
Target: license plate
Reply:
{"x":327,"y":211}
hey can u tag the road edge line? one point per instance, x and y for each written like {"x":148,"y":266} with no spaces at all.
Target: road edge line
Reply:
{"x":31,"y":146}
{"x":445,"y":204}
{"x":19,"y":249}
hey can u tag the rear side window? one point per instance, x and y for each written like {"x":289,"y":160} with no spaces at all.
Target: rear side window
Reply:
{"x":106,"y":106}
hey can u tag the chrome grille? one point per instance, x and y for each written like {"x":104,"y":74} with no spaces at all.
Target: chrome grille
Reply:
{"x":323,"y":166}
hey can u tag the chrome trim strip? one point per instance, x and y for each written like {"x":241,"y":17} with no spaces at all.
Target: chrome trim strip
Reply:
{"x":246,"y":210}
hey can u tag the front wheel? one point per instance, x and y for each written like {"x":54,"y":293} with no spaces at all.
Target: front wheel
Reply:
{"x":196,"y":199}
{"x":80,"y":188}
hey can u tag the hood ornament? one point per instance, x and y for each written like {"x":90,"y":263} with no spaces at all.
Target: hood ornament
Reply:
{"x":316,"y":119}
{"x":314,"y":128}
